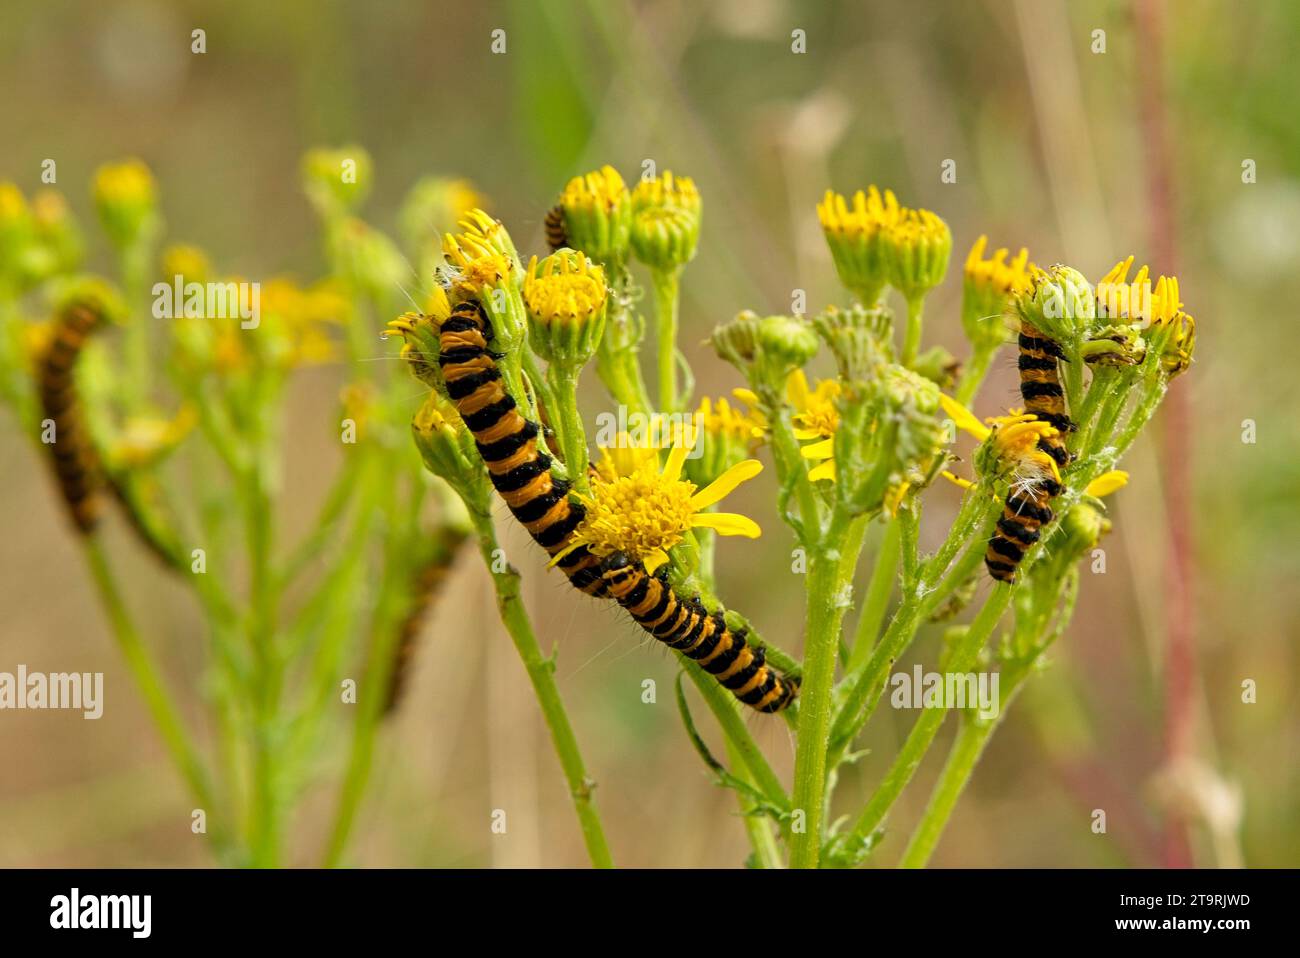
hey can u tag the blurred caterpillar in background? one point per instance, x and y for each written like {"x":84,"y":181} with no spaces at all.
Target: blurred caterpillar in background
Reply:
{"x":429,"y":580}
{"x":1028,"y":507}
{"x":508,"y":443}
{"x":685,"y":625}
{"x":72,"y":453}
{"x":556,"y":235}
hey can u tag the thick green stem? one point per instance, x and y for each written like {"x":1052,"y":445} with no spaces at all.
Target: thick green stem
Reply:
{"x":830,"y":574}
{"x":666,"y":299}
{"x":927,"y":726}
{"x":541,"y":673}
{"x":567,"y":420}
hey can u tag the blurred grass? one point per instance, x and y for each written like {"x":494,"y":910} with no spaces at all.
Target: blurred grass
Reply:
{"x":1046,"y":140}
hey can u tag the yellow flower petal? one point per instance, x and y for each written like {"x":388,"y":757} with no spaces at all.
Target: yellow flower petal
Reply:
{"x":676,"y":459}
{"x":654,"y":559}
{"x":796,"y":389}
{"x":958,"y":480}
{"x":725,"y":483}
{"x":1107,"y":483}
{"x":963,"y":417}
{"x":825,"y":471}
{"x":803,"y":435}
{"x":727,"y":524}
{"x":818,"y":450}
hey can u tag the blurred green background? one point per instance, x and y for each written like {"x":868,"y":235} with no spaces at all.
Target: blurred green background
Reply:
{"x":1048,"y":141}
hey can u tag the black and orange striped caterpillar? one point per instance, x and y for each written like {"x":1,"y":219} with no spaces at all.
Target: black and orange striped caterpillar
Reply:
{"x":687,"y":626}
{"x":1027,"y":508}
{"x":72,"y":453}
{"x":521,"y":473}
{"x":557,"y":236}
{"x":507,"y":441}
{"x":429,"y":580}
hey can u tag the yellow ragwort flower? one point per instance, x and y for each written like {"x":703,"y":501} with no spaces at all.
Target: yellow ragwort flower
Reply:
{"x":856,"y":235}
{"x":816,"y":418}
{"x":995,"y":273}
{"x":1118,"y":299}
{"x":646,"y":512}
{"x":566,"y":289}
{"x":677,"y":192}
{"x":725,"y":420}
{"x":126,"y":183}
{"x":920,"y":244}
{"x":478,"y":266}
{"x":870,"y":213}
{"x":601,"y":190}
{"x":626,"y":457}
{"x":1014,"y":439}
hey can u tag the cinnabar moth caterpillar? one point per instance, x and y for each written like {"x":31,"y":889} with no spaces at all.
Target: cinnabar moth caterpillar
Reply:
{"x":508,"y":443}
{"x":1024,"y":514}
{"x":1027,"y":507}
{"x":72,"y":454}
{"x":685,"y":625}
{"x":557,"y":236}
{"x":1040,"y":387}
{"x":429,"y":580}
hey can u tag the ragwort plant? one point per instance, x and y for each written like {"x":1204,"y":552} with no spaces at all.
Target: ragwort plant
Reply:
{"x":160,"y":395}
{"x":500,"y":345}
{"x":502,"y":350}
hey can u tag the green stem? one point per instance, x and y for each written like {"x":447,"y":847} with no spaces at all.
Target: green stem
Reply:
{"x":666,"y":298}
{"x":541,"y":673}
{"x":966,"y":750}
{"x":724,"y":708}
{"x":829,"y":576}
{"x":876,"y":602}
{"x":567,"y":420}
{"x":762,"y":838}
{"x":149,"y":681}
{"x":912,"y":339}
{"x":384,"y":635}
{"x":927,"y":726}
{"x":868,"y":682}
{"x":973,"y":376}
{"x":264,"y":838}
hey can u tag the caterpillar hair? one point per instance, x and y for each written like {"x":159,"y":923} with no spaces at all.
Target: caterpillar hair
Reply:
{"x":1027,"y":508}
{"x":519,"y":471}
{"x":429,"y":580}
{"x":1024,"y":514}
{"x":72,"y":453}
{"x":557,"y":236}
{"x":685,"y":625}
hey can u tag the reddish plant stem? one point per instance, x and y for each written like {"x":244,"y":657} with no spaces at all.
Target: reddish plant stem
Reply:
{"x":1180,"y":650}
